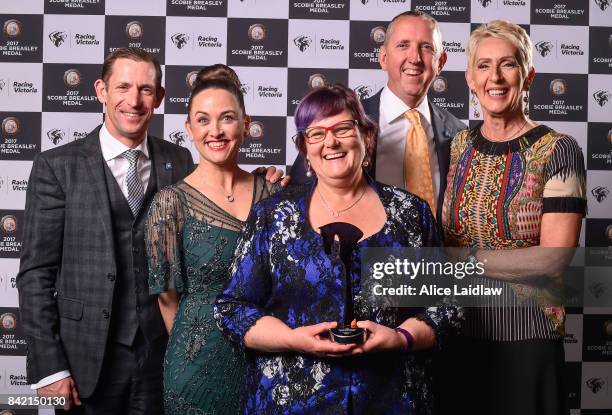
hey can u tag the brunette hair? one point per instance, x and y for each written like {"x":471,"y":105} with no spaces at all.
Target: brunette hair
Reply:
{"x":135,"y":54}
{"x":216,"y":83}
{"x":218,"y":71}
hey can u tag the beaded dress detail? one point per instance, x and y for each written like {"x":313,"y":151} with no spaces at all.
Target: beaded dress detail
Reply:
{"x":190,"y":246}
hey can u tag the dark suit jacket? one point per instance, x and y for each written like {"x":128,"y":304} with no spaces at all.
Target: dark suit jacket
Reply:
{"x":445,"y":126}
{"x":66,"y":276}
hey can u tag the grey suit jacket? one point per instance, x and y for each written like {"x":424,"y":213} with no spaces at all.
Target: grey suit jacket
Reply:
{"x":445,"y":126}
{"x":66,"y":276}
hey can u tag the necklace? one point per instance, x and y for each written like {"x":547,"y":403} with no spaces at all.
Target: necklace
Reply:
{"x":228,"y":197}
{"x":512,"y":135}
{"x":336,"y":213}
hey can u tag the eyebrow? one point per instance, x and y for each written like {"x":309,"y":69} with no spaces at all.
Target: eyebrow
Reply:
{"x":503,"y":57}
{"x":127,"y":83}
{"x":222,"y":114}
{"x":411,"y":41}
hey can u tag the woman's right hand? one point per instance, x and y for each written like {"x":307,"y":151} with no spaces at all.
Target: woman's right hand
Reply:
{"x":308,"y":339}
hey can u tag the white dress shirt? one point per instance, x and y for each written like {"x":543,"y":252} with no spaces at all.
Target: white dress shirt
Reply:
{"x":112,"y":150}
{"x":391,"y":145}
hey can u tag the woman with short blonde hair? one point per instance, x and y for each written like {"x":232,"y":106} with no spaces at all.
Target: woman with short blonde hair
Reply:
{"x":515,"y":188}
{"x":502,"y":29}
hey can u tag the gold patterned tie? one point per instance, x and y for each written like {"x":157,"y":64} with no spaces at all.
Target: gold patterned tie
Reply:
{"x":417,"y":168}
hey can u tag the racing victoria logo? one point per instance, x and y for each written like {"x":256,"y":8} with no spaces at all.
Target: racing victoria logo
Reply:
{"x":600,"y":193}
{"x":595,"y":384}
{"x":485,"y":3}
{"x":55,"y":135}
{"x":302,"y":42}
{"x":544,"y":48}
{"x":602,"y":4}
{"x":57,"y":38}
{"x":363,"y":91}
{"x":601,"y":97}
{"x":180,"y":40}
{"x":177,"y":137}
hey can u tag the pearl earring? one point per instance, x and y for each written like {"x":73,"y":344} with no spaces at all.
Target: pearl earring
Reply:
{"x":308,"y":170}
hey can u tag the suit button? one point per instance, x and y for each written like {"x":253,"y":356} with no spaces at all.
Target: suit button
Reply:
{"x":105,"y":314}
{"x":135,"y":250}
{"x":138,"y":309}
{"x":110,"y":276}
{"x":136,"y":270}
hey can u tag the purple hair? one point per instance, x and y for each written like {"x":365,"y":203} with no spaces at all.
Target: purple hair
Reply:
{"x":327,"y":101}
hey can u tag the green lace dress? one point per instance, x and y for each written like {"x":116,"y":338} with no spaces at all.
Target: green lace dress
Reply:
{"x":190,"y":246}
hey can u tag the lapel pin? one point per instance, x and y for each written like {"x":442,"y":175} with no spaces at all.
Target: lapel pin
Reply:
{"x":168,"y":165}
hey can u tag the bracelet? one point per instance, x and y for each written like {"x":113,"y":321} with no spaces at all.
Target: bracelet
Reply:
{"x":471,"y":258}
{"x":408,"y":336}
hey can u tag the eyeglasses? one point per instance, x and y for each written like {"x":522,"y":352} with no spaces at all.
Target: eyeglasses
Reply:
{"x":343,"y":129}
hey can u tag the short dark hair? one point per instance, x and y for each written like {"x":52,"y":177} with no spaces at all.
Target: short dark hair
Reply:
{"x":216,"y":83}
{"x":135,"y":54}
{"x":327,"y":101}
{"x":218,"y":70}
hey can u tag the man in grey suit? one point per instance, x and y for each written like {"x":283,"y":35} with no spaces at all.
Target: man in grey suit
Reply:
{"x":412,"y":55}
{"x":94,"y":334}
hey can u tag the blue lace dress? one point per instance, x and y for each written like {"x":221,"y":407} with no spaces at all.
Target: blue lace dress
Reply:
{"x":190,"y":245}
{"x":281,"y":269}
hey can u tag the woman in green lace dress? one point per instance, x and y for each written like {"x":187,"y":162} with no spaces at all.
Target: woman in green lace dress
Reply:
{"x":192,"y":230}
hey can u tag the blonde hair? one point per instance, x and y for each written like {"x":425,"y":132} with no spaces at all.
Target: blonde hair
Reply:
{"x":503,"y":29}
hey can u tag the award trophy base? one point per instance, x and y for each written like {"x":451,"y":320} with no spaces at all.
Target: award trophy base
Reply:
{"x":348,"y":335}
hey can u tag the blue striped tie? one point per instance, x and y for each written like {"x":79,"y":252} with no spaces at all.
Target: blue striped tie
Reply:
{"x":134,"y":184}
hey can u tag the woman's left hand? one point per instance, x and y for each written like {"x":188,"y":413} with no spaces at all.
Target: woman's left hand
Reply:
{"x":380,"y":338}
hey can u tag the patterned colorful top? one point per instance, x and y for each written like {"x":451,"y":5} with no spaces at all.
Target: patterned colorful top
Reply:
{"x":281,"y":269}
{"x":497,"y":193}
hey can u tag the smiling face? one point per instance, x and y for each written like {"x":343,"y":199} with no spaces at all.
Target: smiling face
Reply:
{"x":495,"y":76}
{"x":410,"y":59}
{"x":216,"y":125}
{"x":336,"y":158}
{"x":130,"y":97}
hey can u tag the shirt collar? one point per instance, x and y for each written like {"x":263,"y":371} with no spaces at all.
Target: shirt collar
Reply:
{"x":112,"y":148}
{"x":392,"y":107}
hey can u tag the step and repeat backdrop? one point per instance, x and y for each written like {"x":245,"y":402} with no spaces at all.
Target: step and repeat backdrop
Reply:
{"x":51,"y":53}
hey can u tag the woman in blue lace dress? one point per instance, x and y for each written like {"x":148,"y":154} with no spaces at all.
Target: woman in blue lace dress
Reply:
{"x":192,"y":230}
{"x":287,"y":292}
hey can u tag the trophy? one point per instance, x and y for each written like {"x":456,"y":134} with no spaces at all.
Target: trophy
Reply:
{"x":348,"y":235}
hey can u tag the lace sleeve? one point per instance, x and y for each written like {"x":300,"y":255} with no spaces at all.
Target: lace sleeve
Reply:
{"x":242,"y":302}
{"x":164,"y":242}
{"x":264,"y":188}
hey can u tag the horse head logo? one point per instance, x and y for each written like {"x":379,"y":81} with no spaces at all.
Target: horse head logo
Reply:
{"x":180,"y":39}
{"x":544,"y":48}
{"x":302,"y":42}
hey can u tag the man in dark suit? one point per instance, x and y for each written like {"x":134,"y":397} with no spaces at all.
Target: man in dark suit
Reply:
{"x":412,"y":56}
{"x":94,"y":334}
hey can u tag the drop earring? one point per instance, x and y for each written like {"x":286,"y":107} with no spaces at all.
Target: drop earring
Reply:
{"x":526,"y":103}
{"x":308,"y":170}
{"x":475,"y":105}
